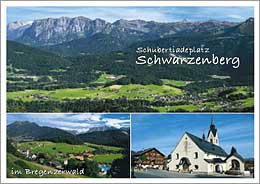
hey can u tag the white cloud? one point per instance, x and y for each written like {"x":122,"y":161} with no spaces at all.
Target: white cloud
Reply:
{"x":235,"y":16}
{"x":77,"y":131}
{"x":117,"y":123}
{"x":58,"y":123}
{"x":77,"y":122}
{"x":86,"y":117}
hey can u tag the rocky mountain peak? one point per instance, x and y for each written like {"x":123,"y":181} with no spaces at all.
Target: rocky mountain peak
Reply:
{"x":54,"y":31}
{"x":16,"y":25}
{"x":22,"y":124}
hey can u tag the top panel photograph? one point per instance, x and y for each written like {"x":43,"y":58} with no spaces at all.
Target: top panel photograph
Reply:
{"x":130,"y":59}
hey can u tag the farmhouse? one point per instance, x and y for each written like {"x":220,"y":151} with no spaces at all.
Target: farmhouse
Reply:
{"x":194,"y":154}
{"x":88,"y":154}
{"x":79,"y":157}
{"x":149,"y":158}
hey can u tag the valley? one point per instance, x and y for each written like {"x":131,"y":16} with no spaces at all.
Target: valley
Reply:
{"x":172,"y":98}
{"x":54,"y":152}
{"x":51,"y":78}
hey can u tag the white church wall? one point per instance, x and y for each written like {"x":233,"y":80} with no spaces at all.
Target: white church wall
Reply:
{"x":210,"y":168}
{"x":187,"y":148}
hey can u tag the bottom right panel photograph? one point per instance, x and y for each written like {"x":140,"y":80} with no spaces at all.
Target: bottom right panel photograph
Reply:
{"x":192,"y":145}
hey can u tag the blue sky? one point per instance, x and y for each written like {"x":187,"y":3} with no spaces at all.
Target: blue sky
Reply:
{"x":164,"y":131}
{"x":78,"y":122}
{"x":160,"y":14}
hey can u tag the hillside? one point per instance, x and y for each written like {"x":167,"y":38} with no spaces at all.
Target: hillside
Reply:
{"x":33,"y":68}
{"x":27,"y":130}
{"x":235,"y":41}
{"x":33,"y":60}
{"x":110,"y":137}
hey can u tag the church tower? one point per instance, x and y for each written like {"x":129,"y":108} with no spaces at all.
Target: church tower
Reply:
{"x":213,"y":134}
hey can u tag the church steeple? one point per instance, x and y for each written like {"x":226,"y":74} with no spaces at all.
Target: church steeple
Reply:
{"x":212,"y":125}
{"x":212,"y":134}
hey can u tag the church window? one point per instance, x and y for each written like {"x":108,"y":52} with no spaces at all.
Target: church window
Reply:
{"x":177,"y":155}
{"x":211,"y":140}
{"x":196,"y":155}
{"x":196,"y":167}
{"x":185,"y":146}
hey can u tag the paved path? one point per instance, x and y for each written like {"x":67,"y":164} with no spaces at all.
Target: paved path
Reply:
{"x":155,"y":173}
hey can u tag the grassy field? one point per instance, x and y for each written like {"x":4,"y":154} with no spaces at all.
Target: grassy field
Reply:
{"x":108,"y":148}
{"x":105,"y":78}
{"x":237,"y":90}
{"x":53,"y":148}
{"x":212,"y":105}
{"x":241,"y":90}
{"x":175,"y":83}
{"x":132,"y":91}
{"x":16,"y":163}
{"x":169,"y":89}
{"x":248,"y":102}
{"x":189,"y":108}
{"x":107,"y":158}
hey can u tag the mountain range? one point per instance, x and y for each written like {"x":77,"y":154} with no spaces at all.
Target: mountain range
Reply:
{"x":22,"y":130}
{"x":65,"y":33}
{"x":98,"y":38}
{"x":70,"y":52}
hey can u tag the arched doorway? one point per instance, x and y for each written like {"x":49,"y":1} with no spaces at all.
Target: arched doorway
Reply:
{"x":218,"y":168}
{"x":235,"y":165}
{"x":185,"y":163}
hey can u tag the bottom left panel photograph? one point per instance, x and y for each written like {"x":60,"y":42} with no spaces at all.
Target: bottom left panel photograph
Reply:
{"x":68,"y":145}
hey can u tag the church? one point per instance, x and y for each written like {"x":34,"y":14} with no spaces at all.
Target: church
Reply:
{"x":195,"y":154}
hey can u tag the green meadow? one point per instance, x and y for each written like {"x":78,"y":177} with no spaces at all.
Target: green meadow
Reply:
{"x":189,"y":108}
{"x":53,"y":148}
{"x":107,"y":158}
{"x":172,"y":93}
{"x":107,"y":148}
{"x":131,"y":91}
{"x":175,"y":83}
{"x":248,"y":102}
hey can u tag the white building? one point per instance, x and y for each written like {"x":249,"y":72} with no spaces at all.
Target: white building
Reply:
{"x":194,"y":154}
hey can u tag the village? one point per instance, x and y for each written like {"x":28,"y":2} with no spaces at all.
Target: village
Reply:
{"x":61,"y":161}
{"x":192,"y":157}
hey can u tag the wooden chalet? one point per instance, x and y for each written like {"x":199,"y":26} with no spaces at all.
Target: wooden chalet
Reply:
{"x":149,"y":158}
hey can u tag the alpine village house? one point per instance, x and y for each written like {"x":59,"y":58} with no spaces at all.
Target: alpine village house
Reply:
{"x":149,"y":158}
{"x":194,"y":154}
